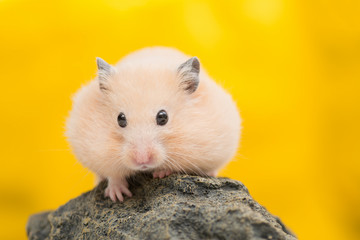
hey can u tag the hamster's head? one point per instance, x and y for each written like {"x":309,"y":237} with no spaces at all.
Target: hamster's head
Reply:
{"x":135,"y":117}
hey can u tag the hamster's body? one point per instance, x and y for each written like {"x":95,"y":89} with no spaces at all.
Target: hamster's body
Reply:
{"x":201,"y":130}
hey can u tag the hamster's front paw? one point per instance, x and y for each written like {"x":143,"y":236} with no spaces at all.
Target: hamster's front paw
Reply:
{"x":116,"y":188}
{"x":161,"y":173}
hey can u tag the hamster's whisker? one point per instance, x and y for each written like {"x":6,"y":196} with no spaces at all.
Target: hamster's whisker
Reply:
{"x":192,"y":164}
{"x":198,"y":169}
{"x":170,"y":166}
{"x":175,"y":164}
{"x":81,"y":180}
{"x":186,"y":156}
{"x":187,"y":159}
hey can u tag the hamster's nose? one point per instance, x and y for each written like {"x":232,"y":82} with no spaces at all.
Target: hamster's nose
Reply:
{"x":143,"y":157}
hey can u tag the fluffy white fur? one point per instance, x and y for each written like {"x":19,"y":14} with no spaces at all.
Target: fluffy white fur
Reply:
{"x":201,"y":135}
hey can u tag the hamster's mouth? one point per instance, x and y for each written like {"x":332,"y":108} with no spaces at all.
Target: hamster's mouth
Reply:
{"x":144,"y":168}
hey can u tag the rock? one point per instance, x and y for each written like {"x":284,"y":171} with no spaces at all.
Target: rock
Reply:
{"x":176,"y":207}
{"x":38,"y":226}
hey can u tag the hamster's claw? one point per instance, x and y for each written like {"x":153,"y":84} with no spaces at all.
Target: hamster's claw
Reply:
{"x":162,"y":173}
{"x":116,"y":189}
{"x":212,"y":173}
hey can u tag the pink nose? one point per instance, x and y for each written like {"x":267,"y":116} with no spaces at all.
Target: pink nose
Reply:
{"x":142,"y":158}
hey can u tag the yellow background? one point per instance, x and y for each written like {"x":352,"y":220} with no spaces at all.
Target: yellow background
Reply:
{"x":292,"y":66}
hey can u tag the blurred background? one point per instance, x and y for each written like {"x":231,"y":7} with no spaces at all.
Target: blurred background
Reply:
{"x":293,"y":67}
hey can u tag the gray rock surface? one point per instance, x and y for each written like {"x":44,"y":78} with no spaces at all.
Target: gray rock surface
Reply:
{"x":176,"y":207}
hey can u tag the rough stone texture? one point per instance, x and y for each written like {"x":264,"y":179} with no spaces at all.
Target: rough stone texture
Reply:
{"x":176,"y":207}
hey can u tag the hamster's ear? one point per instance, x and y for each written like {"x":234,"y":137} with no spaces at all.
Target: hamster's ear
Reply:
{"x":189,"y":74}
{"x":105,"y":71}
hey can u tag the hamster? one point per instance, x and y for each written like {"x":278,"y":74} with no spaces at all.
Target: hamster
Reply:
{"x":155,"y":111}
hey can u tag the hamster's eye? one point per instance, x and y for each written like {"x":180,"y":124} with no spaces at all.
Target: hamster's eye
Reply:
{"x":122,"y":120}
{"x":161,"y":118}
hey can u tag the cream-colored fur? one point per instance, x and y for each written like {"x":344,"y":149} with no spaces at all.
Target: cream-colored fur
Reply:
{"x":201,"y":135}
